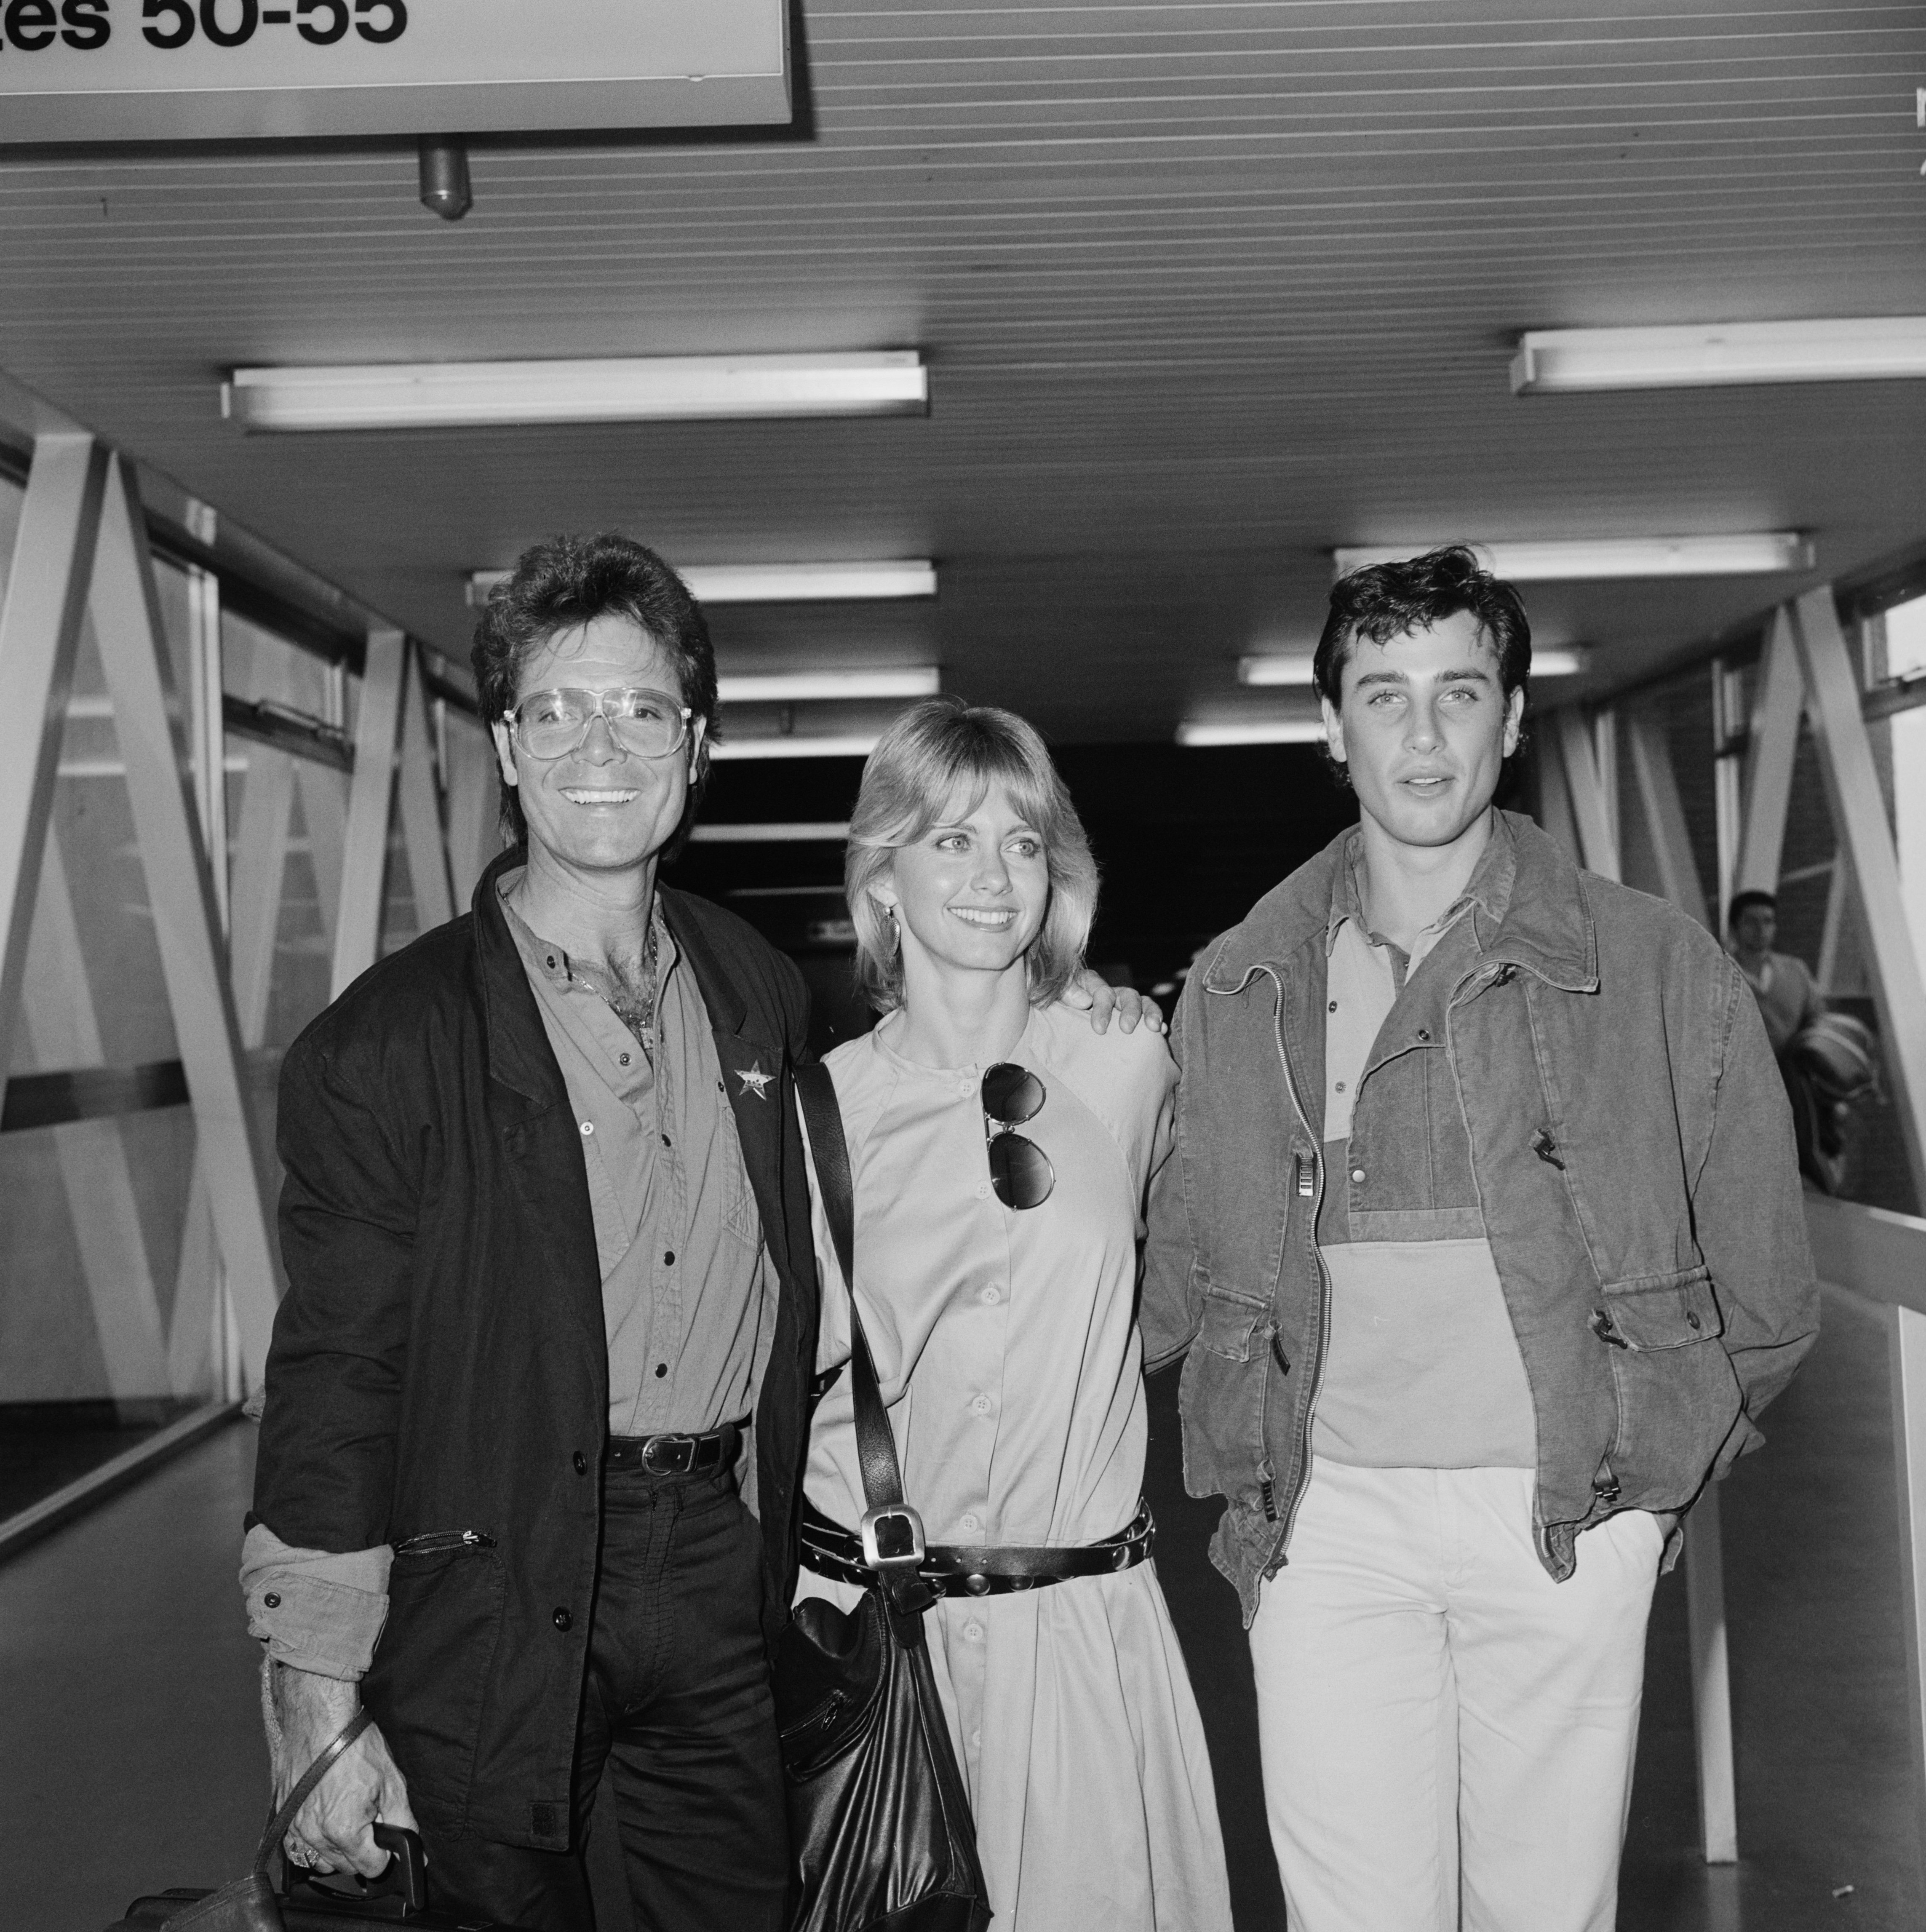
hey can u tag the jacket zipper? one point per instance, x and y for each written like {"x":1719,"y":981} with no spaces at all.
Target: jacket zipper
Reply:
{"x":1317,"y":1164}
{"x":434,"y":1541}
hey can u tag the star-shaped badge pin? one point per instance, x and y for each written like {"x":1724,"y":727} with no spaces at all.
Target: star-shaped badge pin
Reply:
{"x":755,"y":1081}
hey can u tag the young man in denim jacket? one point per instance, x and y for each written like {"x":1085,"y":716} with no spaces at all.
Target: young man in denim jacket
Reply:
{"x":1486,"y":1243}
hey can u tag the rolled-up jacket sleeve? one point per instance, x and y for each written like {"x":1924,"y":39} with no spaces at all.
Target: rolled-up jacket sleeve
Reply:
{"x":1749,"y":1215}
{"x":318,"y":1609}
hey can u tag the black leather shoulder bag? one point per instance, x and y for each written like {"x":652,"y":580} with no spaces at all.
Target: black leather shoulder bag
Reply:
{"x":880,"y":1824}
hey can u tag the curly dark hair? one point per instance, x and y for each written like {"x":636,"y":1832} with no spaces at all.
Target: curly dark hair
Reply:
{"x":566,"y":581}
{"x":1384,"y":600}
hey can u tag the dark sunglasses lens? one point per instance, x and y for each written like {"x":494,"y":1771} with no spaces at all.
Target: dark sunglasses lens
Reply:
{"x":1020,"y":1172}
{"x":1012,"y":1094}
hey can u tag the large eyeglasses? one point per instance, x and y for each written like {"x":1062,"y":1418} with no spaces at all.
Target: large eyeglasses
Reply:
{"x":650,"y":723}
{"x":1020,"y":1171}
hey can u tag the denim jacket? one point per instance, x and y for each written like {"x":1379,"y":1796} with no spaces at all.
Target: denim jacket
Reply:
{"x":1632,"y":1151}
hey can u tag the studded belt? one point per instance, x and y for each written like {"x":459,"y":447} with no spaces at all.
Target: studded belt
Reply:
{"x":670,"y":1455}
{"x":978,"y":1570}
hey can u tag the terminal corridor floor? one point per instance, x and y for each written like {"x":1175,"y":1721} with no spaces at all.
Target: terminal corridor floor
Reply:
{"x":132,"y":1757}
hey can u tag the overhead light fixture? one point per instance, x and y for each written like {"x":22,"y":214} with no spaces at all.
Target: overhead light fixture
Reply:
{"x":1547,"y":661}
{"x":855,"y":745}
{"x":1875,"y":349}
{"x":824,"y":832}
{"x":461,"y":395}
{"x":1252,"y":731}
{"x":803,"y":687}
{"x":778,"y":583}
{"x":1578,"y":559}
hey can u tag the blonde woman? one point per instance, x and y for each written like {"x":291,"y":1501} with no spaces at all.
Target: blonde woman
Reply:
{"x":1000,"y":1151}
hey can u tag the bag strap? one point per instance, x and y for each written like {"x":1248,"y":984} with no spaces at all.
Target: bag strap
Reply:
{"x":875,"y":1442}
{"x":304,"y":1787}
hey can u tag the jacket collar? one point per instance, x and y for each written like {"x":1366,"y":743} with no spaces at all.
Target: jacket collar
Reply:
{"x":1543,"y":924}
{"x":519,"y":1054}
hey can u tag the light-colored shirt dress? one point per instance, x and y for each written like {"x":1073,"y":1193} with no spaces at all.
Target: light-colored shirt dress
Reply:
{"x":1006,"y":1345}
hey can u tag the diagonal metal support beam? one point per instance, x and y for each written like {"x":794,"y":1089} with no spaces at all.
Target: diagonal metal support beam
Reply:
{"x":1665,"y":817}
{"x":186,"y":923}
{"x":421,"y":835}
{"x":1585,"y":788}
{"x":365,"y":852}
{"x":1858,"y":815}
{"x":1768,"y":762}
{"x":40,"y":632}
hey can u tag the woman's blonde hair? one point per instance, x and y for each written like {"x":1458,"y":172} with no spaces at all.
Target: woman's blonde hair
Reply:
{"x":934,"y":765}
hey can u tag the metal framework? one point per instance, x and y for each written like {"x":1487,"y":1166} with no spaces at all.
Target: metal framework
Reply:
{"x":82,"y":554}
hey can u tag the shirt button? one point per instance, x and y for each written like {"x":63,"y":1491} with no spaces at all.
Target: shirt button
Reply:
{"x":667,"y":1141}
{"x":1357,"y":1176}
{"x":580,"y":1461}
{"x":974,"y":1630}
{"x":991,"y":1297}
{"x":563,"y":1620}
{"x":272,"y":1599}
{"x":1332,"y":1008}
{"x":669,"y":1258}
{"x":981,"y":1406}
{"x":1340,"y":1086}
{"x":588,"y":1126}
{"x":1424,"y":1034}
{"x":975,"y":1740}
{"x":661,"y":1369}
{"x":624,"y":1060}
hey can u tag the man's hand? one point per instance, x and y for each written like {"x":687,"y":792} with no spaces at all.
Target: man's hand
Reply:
{"x":334,"y":1831}
{"x":1094,"y":994}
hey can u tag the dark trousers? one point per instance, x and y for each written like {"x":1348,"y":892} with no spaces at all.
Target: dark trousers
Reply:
{"x":677,"y":1711}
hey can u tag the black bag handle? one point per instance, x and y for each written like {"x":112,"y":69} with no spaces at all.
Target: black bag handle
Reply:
{"x":875,"y":1442}
{"x":304,"y":1787}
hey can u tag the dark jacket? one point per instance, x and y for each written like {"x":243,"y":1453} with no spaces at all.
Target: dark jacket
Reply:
{"x":439,"y":1363}
{"x":1601,"y":1061}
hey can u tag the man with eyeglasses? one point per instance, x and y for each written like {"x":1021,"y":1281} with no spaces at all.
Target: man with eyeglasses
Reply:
{"x":535,"y":1407}
{"x":1485,"y":1240}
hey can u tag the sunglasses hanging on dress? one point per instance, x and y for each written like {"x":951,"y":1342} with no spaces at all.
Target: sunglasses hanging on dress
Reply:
{"x":1020,"y":1171}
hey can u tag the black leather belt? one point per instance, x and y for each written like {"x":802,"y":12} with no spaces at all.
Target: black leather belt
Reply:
{"x":677,"y":1455}
{"x":978,"y":1570}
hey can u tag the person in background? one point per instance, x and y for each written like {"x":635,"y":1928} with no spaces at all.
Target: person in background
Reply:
{"x":1788,"y":1001}
{"x":1000,"y":1153}
{"x":1485,"y":1243}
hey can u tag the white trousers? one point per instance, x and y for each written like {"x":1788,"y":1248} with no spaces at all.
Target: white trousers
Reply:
{"x":1448,"y":1734}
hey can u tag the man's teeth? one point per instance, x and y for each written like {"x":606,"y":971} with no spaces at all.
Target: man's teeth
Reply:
{"x":982,"y":916}
{"x":581,"y":795}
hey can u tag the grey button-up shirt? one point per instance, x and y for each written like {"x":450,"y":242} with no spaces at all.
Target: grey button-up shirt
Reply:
{"x":688,"y":1297}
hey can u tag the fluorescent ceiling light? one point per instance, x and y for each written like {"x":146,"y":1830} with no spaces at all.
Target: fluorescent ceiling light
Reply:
{"x":458,"y":395}
{"x":856,"y":744}
{"x":778,"y":583}
{"x":1547,"y":661}
{"x":822,"y":832}
{"x":801,"y":687}
{"x":1582,"y":558}
{"x":1253,"y":731}
{"x":1709,"y":354}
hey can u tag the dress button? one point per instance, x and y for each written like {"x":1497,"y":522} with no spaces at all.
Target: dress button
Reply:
{"x":588,"y":1126}
{"x":983,"y":1190}
{"x":991,"y":1297}
{"x":974,"y":1630}
{"x":981,"y":1406}
{"x":972,"y":1522}
{"x":580,"y":1461}
{"x":563,"y":1620}
{"x":1357,"y":1176}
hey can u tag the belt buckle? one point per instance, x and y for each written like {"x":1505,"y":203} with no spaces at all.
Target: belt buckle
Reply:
{"x":669,"y":1455}
{"x":892,"y":1537}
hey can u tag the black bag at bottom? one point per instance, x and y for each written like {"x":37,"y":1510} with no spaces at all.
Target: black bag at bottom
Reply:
{"x":151,"y":1914}
{"x":878,"y":1820}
